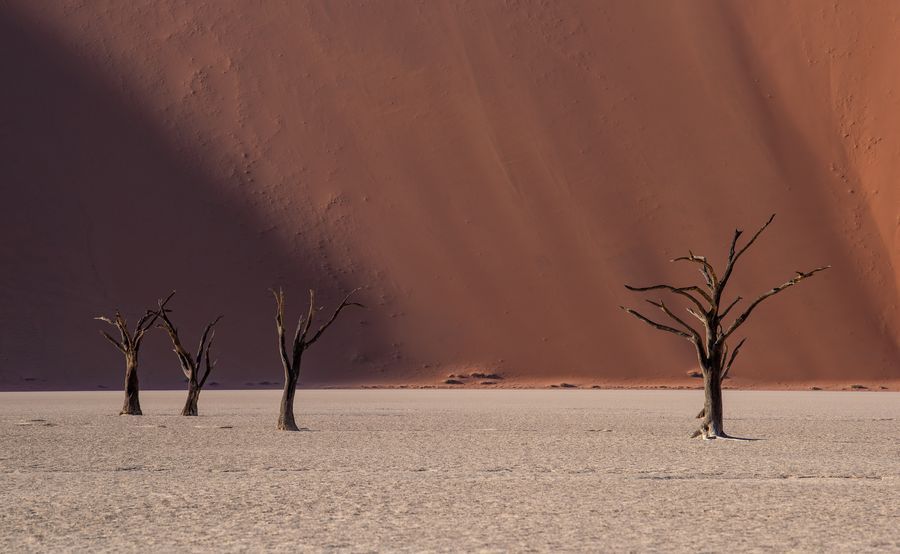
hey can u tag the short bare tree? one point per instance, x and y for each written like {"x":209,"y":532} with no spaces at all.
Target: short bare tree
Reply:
{"x":707,"y":307}
{"x":129,"y":345}
{"x":191,"y":364}
{"x":300,"y":343}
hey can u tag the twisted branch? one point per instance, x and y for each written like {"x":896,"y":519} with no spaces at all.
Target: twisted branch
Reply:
{"x":130,"y":342}
{"x":659,"y":326}
{"x":733,"y":257}
{"x":728,"y":309}
{"x":304,"y":324}
{"x":190,"y":366}
{"x":279,"y":327}
{"x":344,"y":303}
{"x":743,"y":317}
{"x":677,"y":290}
{"x":665,"y":310}
{"x":706,"y":268}
{"x":209,"y":364}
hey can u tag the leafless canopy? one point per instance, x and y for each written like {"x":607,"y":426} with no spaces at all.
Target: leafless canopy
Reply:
{"x":303,"y":338}
{"x":708,"y":308}
{"x":129,"y":344}
{"x":191,"y":364}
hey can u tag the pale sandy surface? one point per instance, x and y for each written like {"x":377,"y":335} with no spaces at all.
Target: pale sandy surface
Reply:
{"x":450,"y":471}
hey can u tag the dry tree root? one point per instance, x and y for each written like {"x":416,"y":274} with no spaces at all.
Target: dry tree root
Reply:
{"x":705,"y":434}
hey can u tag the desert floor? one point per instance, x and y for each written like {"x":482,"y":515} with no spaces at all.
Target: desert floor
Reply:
{"x":414,"y":470}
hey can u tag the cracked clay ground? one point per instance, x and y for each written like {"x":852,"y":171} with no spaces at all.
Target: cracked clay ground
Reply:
{"x":419,"y":470}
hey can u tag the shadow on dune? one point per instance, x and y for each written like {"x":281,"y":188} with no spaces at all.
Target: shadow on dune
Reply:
{"x":101,"y":209}
{"x":494,"y":173}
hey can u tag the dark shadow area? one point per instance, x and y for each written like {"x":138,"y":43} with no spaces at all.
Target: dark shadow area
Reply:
{"x":731,"y":438}
{"x":99,"y":209}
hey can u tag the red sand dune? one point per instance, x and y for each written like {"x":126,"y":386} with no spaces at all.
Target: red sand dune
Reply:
{"x":491,"y":172}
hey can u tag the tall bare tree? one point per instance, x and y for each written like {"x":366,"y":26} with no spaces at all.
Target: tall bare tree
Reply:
{"x":300,"y":343}
{"x":191,"y":364}
{"x":129,"y":344}
{"x":708,"y":308}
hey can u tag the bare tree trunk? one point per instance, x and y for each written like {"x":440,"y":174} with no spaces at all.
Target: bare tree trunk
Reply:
{"x":190,"y":405}
{"x":711,"y":424}
{"x":132,"y":405}
{"x":286,"y":414}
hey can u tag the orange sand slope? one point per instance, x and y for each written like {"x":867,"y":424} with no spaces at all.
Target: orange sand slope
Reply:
{"x":491,"y":173}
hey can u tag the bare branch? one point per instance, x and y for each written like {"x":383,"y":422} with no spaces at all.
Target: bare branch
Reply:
{"x":301,"y":337}
{"x":303,"y":324}
{"x":188,"y":366}
{"x":708,"y":278}
{"x":112,"y":340}
{"x":733,"y":257}
{"x":126,"y":342}
{"x":345,"y":303}
{"x":699,"y":291}
{"x":706,"y":268}
{"x":298,"y":331}
{"x":200,"y":349}
{"x":734,"y":239}
{"x":681,"y":322}
{"x":743,"y":317}
{"x":122,"y":326}
{"x":279,"y":326}
{"x":659,"y":326}
{"x":705,"y":322}
{"x":683,"y":291}
{"x":150,"y":317}
{"x":698,"y":316}
{"x":105,"y":319}
{"x":209,"y":364}
{"x":753,"y":239}
{"x":733,"y":356}
{"x":728,"y":309}
{"x":143,"y":324}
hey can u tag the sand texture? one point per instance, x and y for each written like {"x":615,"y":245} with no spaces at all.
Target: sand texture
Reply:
{"x":450,"y":471}
{"x":492,"y":172}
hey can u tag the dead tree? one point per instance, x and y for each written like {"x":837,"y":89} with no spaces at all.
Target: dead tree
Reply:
{"x":708,"y":308}
{"x":191,"y":364}
{"x":301,"y":342}
{"x":129,"y":344}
